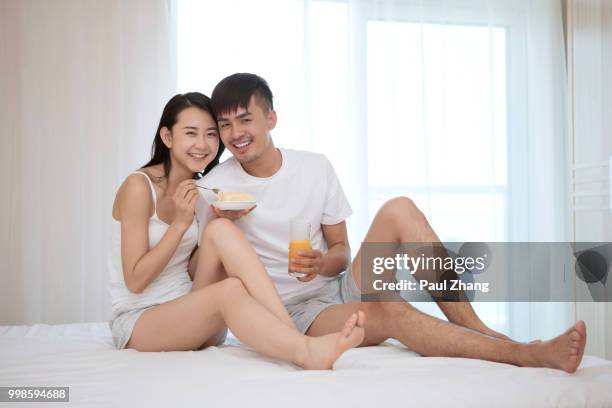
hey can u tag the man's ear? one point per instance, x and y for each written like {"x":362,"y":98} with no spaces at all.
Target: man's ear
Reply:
{"x":166,"y":136}
{"x":271,"y":120}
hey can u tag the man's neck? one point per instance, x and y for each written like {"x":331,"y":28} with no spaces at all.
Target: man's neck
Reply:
{"x":266,"y":165}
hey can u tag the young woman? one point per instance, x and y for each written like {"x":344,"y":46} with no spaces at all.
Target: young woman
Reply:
{"x":156,"y":307}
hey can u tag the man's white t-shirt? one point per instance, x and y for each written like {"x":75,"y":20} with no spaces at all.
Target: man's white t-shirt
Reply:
{"x":305,"y":187}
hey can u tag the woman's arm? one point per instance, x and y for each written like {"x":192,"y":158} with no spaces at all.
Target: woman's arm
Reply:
{"x":141,"y":265}
{"x":193,"y":262}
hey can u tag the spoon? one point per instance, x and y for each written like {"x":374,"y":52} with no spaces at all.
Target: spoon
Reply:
{"x":214,"y":190}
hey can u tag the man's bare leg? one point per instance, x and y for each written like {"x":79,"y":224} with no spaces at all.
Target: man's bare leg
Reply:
{"x":465,"y":335}
{"x":400,"y":221}
{"x":430,"y":336}
{"x":224,"y":251}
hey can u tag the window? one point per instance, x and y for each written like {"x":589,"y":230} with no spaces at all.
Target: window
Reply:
{"x":436,"y":109}
{"x":416,"y":103}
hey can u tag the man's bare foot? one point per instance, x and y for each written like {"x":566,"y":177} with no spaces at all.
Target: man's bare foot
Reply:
{"x":320,"y":353}
{"x":563,"y":352}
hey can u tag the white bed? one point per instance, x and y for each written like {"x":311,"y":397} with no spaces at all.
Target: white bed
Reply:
{"x":82,"y":357}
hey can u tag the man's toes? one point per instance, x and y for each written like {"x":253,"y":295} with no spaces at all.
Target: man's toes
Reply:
{"x":581,"y":327}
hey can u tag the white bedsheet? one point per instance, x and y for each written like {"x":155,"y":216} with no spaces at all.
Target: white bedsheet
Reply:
{"x":82,"y":357}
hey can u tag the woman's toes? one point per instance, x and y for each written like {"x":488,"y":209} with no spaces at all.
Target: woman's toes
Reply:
{"x":349,"y":325}
{"x":361,"y":319}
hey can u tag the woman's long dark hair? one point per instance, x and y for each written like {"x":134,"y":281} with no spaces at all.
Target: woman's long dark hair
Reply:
{"x":159,"y":151}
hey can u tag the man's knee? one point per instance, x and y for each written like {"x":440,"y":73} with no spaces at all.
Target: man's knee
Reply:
{"x":401,"y":207}
{"x":387,"y":310}
{"x":380,"y":317}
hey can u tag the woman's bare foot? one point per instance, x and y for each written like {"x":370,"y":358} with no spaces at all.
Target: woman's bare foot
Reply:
{"x":320,"y":353}
{"x":563,"y":352}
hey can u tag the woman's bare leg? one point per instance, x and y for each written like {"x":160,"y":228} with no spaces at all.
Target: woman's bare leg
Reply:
{"x":225,"y":251}
{"x":190,"y":321}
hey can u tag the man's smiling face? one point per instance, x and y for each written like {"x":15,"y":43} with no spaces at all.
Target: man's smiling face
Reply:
{"x":246,"y":131}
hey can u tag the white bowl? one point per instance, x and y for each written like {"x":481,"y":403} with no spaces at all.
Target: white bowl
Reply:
{"x":233,"y":205}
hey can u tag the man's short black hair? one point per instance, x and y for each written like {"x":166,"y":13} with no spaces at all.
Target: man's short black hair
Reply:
{"x":235,"y":92}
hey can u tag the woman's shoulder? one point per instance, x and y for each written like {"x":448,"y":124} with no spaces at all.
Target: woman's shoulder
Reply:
{"x":140,"y":178}
{"x":135,"y":183}
{"x":155,"y":172}
{"x":133,"y":192}
{"x":136,"y":191}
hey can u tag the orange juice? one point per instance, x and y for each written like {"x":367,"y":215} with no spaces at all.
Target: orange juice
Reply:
{"x":295,"y":246}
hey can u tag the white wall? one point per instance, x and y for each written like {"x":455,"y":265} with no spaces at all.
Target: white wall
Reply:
{"x":82,"y":88}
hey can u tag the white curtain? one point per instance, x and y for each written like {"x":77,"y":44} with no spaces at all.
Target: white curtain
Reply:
{"x":83,"y":85}
{"x":460,"y":105}
{"x":590,"y":40}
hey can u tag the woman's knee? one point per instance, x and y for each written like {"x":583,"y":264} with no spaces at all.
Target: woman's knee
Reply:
{"x":230,"y":288}
{"x":215,"y":340}
{"x":218,"y":226}
{"x":229,"y":291}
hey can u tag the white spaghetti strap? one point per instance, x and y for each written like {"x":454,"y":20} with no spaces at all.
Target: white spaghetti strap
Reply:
{"x":153,"y":193}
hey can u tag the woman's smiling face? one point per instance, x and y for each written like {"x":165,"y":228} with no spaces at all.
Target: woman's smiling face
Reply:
{"x":193,"y":140}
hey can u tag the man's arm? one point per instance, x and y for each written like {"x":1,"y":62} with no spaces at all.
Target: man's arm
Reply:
{"x":333,"y":262}
{"x":338,"y":253}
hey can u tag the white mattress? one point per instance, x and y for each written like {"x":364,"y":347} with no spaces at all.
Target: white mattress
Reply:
{"x":82,"y":357}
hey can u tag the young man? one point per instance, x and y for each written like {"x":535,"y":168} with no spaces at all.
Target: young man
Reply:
{"x":290,"y":184}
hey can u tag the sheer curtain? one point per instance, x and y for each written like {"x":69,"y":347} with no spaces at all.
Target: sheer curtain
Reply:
{"x":590,"y":56}
{"x":82,"y":87}
{"x":460,"y":105}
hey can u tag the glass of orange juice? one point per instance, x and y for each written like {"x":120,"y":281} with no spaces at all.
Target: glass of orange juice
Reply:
{"x":299,"y":240}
